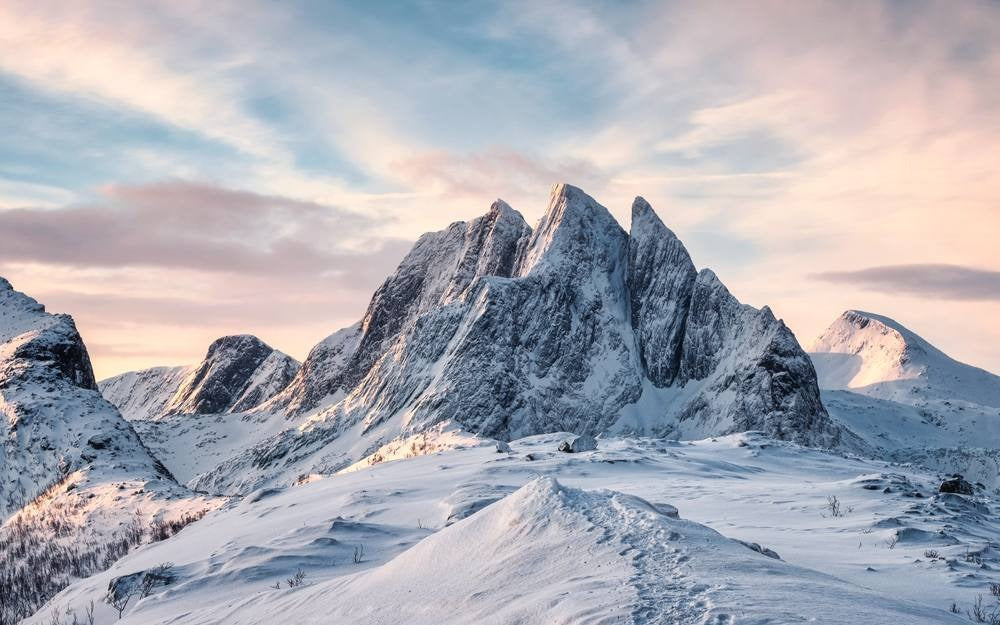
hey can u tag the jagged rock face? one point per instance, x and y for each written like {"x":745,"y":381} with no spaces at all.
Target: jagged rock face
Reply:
{"x":55,"y":421}
{"x":661,"y":279}
{"x":752,"y":372}
{"x":509,"y":331}
{"x":238,"y":373}
{"x":227,"y":379}
{"x":438,"y":270}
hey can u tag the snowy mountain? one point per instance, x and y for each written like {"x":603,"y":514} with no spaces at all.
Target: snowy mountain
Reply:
{"x":77,"y":486}
{"x":55,"y":421}
{"x":505,"y":331}
{"x":904,"y":396}
{"x":732,"y":530}
{"x":878,"y":357}
{"x":238,"y":373}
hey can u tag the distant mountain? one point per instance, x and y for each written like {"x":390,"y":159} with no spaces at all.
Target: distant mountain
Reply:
{"x":878,"y":357}
{"x":238,"y":373}
{"x":506,"y":331}
{"x":906,"y":397}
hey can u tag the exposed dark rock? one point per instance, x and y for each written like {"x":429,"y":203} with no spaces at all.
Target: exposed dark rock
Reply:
{"x":578,"y":444}
{"x":957,"y":485}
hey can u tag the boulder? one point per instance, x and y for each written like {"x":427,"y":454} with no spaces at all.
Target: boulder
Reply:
{"x":957,"y":485}
{"x":575,"y":445}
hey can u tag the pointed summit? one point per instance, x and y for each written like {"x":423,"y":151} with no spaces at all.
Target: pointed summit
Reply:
{"x":238,"y":373}
{"x":502,"y":210}
{"x":575,"y":234}
{"x":877,"y":356}
{"x":660,"y":281}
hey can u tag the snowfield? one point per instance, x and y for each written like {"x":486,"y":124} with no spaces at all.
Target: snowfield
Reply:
{"x":473,"y":535}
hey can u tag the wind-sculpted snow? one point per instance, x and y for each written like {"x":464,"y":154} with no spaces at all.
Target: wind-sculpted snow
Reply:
{"x":238,"y":373}
{"x":629,"y":533}
{"x":507,"y":331}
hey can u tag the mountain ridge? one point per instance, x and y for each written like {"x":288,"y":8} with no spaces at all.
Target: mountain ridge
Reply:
{"x":238,"y":372}
{"x":504,"y":330}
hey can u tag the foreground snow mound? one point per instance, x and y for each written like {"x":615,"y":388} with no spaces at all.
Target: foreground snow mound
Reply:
{"x":238,"y":373}
{"x":551,"y":554}
{"x":508,"y":331}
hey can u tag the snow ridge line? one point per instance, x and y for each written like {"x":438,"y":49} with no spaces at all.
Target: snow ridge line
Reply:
{"x":666,"y":595}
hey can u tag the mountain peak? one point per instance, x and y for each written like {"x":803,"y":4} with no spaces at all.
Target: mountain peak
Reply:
{"x":861,"y":348}
{"x":235,"y":343}
{"x":575,"y":233}
{"x":502,"y":210}
{"x":641,"y":209}
{"x":877,"y":356}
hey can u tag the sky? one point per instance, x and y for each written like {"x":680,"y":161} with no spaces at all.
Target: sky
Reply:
{"x":175,"y":172}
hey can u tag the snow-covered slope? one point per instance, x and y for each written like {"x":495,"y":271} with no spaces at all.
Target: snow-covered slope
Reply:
{"x":55,"y":420}
{"x":238,"y":373}
{"x":878,"y":357}
{"x":903,"y":395}
{"x":508,"y":331}
{"x":537,"y":536}
{"x":77,"y":486}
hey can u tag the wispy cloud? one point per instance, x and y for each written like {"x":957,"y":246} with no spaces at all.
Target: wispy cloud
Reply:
{"x":197,"y":226}
{"x":477,"y":173}
{"x":941,"y":281}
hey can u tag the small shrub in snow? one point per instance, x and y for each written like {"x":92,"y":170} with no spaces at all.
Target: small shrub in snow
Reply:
{"x":359,"y":554}
{"x":297,"y":580}
{"x":892,"y":541}
{"x":833,"y":508}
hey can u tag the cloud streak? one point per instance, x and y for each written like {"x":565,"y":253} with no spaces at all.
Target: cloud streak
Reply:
{"x":938,"y":281}
{"x":202,"y":227}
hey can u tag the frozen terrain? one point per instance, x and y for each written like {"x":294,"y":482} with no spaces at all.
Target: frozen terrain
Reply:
{"x":78,"y":487}
{"x":419,"y":466}
{"x":534,"y":535}
{"x":907,"y":399}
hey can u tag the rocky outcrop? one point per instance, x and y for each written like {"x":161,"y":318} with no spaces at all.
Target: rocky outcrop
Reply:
{"x":661,"y":279}
{"x":55,"y":422}
{"x":238,"y":373}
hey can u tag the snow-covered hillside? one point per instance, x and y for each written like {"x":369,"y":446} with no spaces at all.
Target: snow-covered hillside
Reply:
{"x":502,"y":330}
{"x":55,"y":421}
{"x":75,"y":479}
{"x":906,"y":397}
{"x":878,"y":357}
{"x":473,"y":535}
{"x":238,"y":373}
